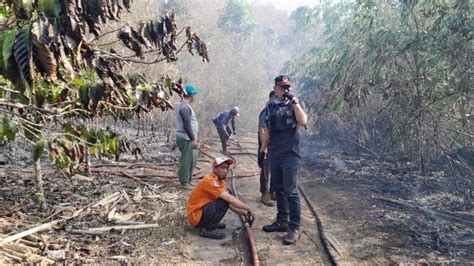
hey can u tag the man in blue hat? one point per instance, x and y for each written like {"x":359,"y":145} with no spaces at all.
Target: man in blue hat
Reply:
{"x":186,"y":136}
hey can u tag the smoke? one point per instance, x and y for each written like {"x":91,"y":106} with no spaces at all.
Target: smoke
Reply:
{"x":339,"y":164}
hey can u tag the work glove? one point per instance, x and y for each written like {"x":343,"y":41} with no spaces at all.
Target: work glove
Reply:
{"x":290,"y":96}
{"x":260,"y":159}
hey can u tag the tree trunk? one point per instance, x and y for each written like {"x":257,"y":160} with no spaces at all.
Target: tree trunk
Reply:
{"x":39,"y":184}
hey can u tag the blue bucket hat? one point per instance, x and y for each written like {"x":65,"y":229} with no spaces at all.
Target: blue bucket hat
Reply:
{"x":190,"y":90}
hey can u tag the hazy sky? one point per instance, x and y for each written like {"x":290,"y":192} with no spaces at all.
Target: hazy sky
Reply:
{"x":290,"y":5}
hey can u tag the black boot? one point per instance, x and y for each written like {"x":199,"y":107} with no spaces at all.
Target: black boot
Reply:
{"x":276,"y":227}
{"x":213,"y":234}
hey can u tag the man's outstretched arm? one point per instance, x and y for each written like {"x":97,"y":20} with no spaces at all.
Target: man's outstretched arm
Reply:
{"x":237,"y":205}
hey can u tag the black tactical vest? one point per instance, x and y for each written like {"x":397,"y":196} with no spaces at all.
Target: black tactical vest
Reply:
{"x":280,"y":116}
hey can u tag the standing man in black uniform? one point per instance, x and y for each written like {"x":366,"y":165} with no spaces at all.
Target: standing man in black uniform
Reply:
{"x":284,"y":115}
{"x":265,"y":186}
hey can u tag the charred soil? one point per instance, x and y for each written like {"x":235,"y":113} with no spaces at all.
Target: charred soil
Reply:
{"x":382,"y":212}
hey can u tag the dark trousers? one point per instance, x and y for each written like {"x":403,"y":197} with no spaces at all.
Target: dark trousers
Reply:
{"x":223,"y":135}
{"x":284,"y":174}
{"x":212,"y":214}
{"x":265,"y":178}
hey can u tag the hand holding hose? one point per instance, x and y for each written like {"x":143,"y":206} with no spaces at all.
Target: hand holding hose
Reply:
{"x":249,"y":217}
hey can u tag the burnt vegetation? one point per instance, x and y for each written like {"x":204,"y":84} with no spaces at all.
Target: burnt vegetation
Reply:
{"x":53,"y":72}
{"x":387,"y":86}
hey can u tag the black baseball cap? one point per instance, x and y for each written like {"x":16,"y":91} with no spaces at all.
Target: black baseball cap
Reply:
{"x":283,"y":80}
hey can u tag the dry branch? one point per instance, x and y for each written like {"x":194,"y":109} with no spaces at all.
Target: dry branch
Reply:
{"x":10,"y":256}
{"x":51,"y":224}
{"x":127,"y":165}
{"x":33,"y":230}
{"x":83,"y":232}
{"x":109,"y":228}
{"x":206,"y":152}
{"x":154,"y":176}
{"x":129,"y":222}
{"x":246,"y":175}
{"x":30,"y":244}
{"x":107,"y":200}
{"x":428,"y":211}
{"x":15,"y":251}
{"x":137,"y":177}
{"x":341,"y":250}
{"x":243,"y":153}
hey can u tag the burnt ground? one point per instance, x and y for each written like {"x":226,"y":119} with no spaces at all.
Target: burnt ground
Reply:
{"x":382,"y":212}
{"x":146,"y":200}
{"x":372,"y":211}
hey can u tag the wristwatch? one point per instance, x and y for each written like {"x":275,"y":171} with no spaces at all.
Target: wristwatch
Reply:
{"x":295,"y":101}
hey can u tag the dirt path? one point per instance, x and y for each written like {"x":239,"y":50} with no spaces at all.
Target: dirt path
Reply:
{"x":271,"y":250}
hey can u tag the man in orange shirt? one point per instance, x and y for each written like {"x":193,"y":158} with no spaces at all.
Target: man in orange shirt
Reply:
{"x":210,"y":200}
